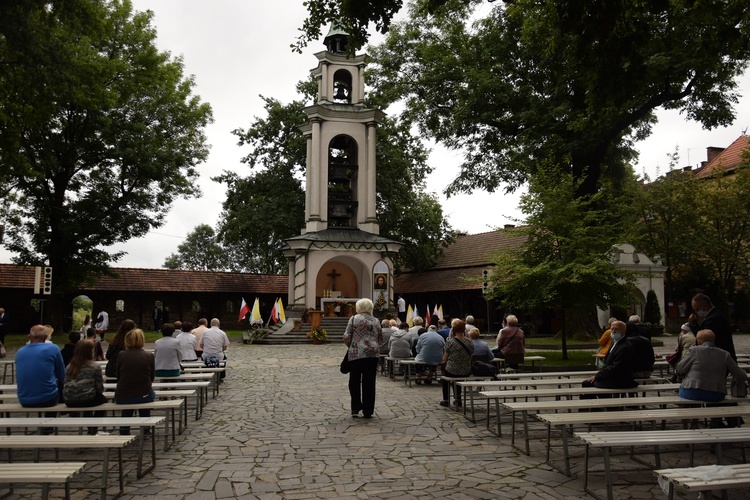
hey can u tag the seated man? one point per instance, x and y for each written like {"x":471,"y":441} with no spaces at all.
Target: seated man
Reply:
{"x":443,"y":329}
{"x":617,"y":372}
{"x":387,"y":329}
{"x":643,"y":350}
{"x":704,"y":370}
{"x":430,"y":349}
{"x":40,"y":373}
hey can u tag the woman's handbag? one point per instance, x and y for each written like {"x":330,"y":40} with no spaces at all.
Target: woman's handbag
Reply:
{"x":345,"y":363}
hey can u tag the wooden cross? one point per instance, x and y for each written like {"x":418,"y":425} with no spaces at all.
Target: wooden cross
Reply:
{"x":333,"y":274}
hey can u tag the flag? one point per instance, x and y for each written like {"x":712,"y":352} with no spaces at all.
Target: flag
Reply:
{"x":274,"y":313}
{"x":410,"y":316}
{"x":416,"y":311}
{"x":280,"y":311}
{"x":244,"y":309}
{"x":427,"y":317}
{"x":435,"y":312}
{"x":255,"y":314}
{"x":440,"y":312}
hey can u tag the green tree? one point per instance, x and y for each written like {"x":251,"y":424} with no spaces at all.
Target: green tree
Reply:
{"x":721,"y":229}
{"x":554,"y":82}
{"x":98,"y":132}
{"x":666,"y":211}
{"x":267,"y":207}
{"x":199,"y":252}
{"x":566,"y":262}
{"x":652,"y":314}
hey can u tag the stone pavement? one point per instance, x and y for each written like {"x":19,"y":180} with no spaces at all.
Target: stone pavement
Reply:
{"x":281,"y":429}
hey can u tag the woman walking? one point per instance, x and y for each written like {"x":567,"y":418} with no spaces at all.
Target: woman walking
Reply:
{"x":363,"y":336}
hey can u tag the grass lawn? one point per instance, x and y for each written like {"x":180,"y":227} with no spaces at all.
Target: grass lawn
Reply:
{"x":575,"y":358}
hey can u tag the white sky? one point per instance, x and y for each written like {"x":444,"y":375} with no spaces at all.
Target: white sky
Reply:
{"x":238,"y":50}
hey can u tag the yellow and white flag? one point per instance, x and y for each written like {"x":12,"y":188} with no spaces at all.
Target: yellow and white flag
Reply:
{"x":255,"y":313}
{"x":410,"y":316}
{"x":282,"y":315}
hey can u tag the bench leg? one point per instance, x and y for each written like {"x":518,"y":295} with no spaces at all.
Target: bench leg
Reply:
{"x":608,"y":473}
{"x":105,"y":473}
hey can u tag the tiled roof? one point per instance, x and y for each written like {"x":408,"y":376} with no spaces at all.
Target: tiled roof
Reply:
{"x":167,"y":280}
{"x":477,"y":249}
{"x":440,"y":280}
{"x":465,"y":258}
{"x":727,"y":160}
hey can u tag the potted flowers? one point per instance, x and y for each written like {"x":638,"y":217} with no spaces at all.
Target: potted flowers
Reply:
{"x":318,"y":335}
{"x":297,"y":324}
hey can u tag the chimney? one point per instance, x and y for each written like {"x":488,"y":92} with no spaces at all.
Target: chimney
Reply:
{"x":712,"y":152}
{"x":687,"y":169}
{"x":509,"y":226}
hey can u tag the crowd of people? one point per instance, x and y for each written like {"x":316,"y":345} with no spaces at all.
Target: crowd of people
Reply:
{"x":456,"y":349}
{"x":47,"y":375}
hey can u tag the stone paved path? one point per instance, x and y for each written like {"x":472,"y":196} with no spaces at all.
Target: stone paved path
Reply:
{"x":281,"y":429}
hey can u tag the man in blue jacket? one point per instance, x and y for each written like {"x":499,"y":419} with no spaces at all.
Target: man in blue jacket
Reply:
{"x":40,"y":371}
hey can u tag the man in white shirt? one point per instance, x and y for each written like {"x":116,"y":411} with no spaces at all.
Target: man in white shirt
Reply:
{"x":198,"y":332}
{"x":401,"y":308}
{"x":102,"y":323}
{"x":213,"y":343}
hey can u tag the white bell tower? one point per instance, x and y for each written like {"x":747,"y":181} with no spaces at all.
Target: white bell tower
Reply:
{"x":339,"y":249}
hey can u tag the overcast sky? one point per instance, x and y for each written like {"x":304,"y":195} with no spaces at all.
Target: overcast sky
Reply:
{"x":238,"y":50}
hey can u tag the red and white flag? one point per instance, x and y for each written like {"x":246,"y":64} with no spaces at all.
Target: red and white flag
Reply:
{"x":274,"y":312}
{"x":244,"y":310}
{"x":427,"y":317}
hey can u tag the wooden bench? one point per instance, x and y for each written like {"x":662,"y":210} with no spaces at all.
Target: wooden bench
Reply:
{"x":169,"y":406}
{"x":524,"y":407}
{"x":501,"y":361}
{"x":411,"y":374}
{"x":105,"y":443}
{"x":526,"y":384}
{"x":45,"y":473}
{"x":6,"y":364}
{"x":563,"y":420}
{"x":570,"y":393}
{"x":682,"y":478}
{"x":629,"y":439}
{"x":454,"y":381}
{"x":201,"y":386}
{"x":75,"y":423}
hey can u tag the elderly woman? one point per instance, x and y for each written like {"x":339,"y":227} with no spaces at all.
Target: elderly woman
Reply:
{"x":456,"y":360}
{"x":363,"y":336}
{"x":135,"y":374}
{"x":510,"y":340}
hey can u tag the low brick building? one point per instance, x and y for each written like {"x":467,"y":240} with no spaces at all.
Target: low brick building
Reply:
{"x":134,"y":293}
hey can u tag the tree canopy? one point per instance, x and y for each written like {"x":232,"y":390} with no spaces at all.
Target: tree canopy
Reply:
{"x":554,"y":82}
{"x":199,"y":252}
{"x":99,"y":131}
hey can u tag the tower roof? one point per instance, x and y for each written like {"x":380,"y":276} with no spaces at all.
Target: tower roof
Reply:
{"x":337,"y":39}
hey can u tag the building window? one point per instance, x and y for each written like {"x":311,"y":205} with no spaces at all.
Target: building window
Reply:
{"x":230,"y":306}
{"x":120,"y":305}
{"x":196,"y":307}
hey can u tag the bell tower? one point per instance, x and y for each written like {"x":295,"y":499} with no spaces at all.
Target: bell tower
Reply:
{"x":341,"y":226}
{"x":340,"y":143}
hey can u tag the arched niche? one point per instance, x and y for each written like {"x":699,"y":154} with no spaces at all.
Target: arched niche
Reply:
{"x":336,"y":276}
{"x":381,"y":285}
{"x":342,"y":182}
{"x":342,"y":87}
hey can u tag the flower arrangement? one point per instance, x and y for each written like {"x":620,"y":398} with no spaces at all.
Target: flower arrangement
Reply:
{"x":318,"y":333}
{"x":379,"y":303}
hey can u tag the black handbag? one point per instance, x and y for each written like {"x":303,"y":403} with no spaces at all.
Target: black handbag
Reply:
{"x":345,"y":363}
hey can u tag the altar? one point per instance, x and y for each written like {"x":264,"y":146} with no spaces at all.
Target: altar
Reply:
{"x":332,"y":304}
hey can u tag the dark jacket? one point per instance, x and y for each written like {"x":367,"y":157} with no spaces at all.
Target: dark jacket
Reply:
{"x":719,"y":324}
{"x":644,"y":354}
{"x":135,"y":372}
{"x":617,"y":372}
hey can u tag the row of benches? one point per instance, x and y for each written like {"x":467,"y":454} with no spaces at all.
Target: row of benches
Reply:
{"x":645,"y":404}
{"x":173,"y":393}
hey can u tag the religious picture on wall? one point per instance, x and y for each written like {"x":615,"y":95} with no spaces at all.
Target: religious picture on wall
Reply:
{"x":381,"y":281}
